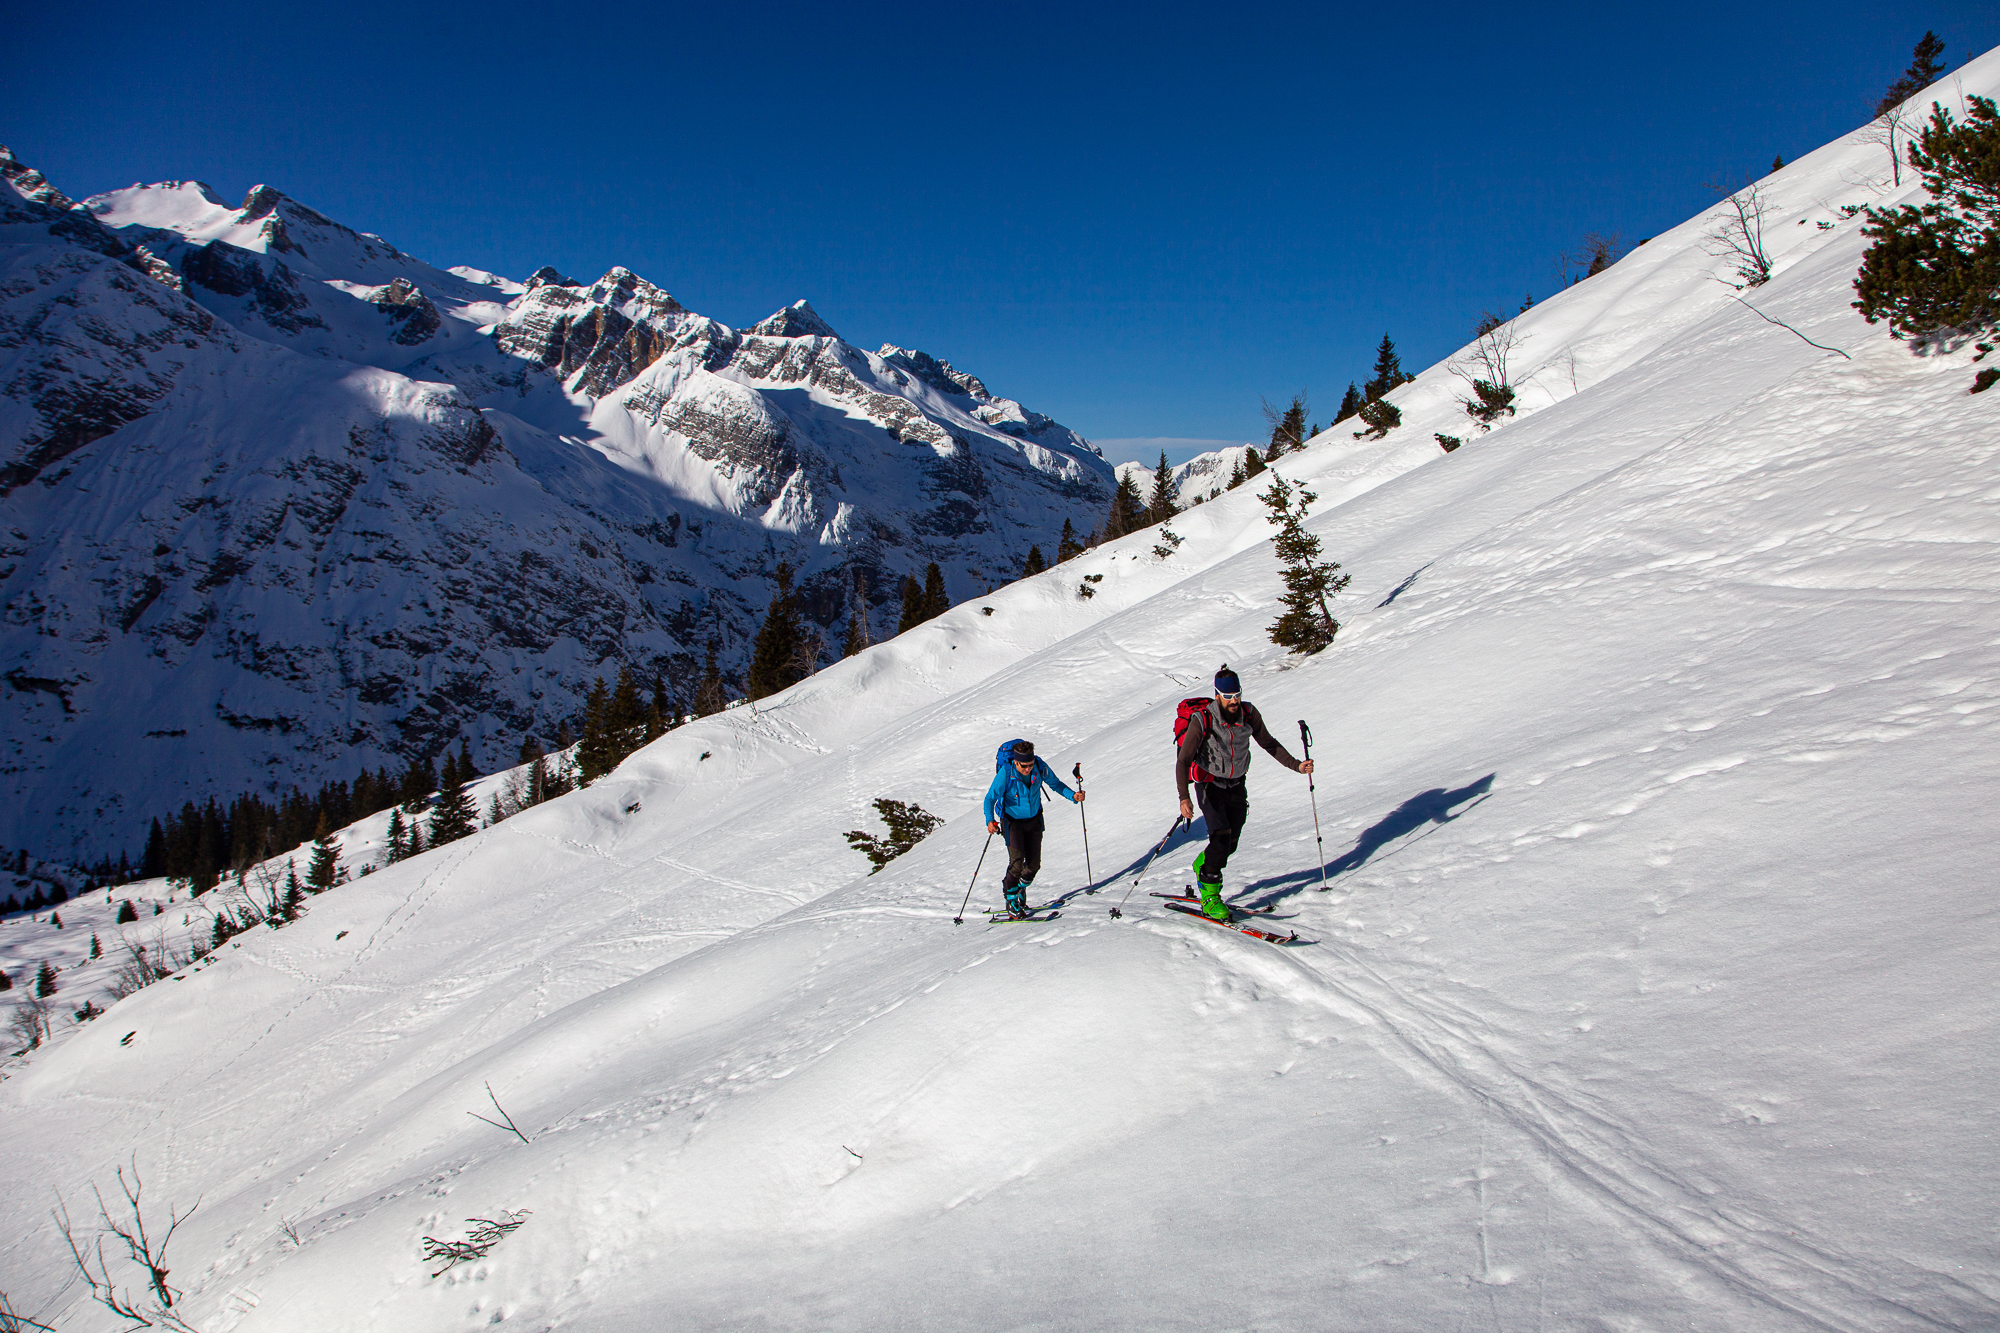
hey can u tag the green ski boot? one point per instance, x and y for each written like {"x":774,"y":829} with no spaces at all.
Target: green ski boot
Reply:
{"x":1017,"y":900}
{"x":1210,"y":889}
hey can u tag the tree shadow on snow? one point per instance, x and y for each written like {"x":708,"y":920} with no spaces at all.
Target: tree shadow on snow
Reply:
{"x":1434,"y":807}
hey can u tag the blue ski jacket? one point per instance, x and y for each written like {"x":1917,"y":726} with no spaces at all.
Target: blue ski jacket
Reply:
{"x":1014,"y":796}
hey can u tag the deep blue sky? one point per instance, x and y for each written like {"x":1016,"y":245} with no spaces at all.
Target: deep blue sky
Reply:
{"x":1137,"y":219}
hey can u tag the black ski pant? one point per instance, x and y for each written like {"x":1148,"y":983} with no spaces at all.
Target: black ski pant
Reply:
{"x":1224,"y":806}
{"x":1024,"y":850}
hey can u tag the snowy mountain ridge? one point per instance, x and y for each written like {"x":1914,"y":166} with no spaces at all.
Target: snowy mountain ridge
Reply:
{"x":283,"y":501}
{"x":1649,"y":988}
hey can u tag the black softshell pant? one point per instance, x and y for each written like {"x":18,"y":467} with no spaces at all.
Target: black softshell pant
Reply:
{"x":1024,"y":850}
{"x":1224,"y":806}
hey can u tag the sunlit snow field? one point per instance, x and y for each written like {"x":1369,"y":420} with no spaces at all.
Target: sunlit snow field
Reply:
{"x":1651,"y":985}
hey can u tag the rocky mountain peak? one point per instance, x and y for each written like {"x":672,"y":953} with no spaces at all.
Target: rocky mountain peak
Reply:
{"x":797,"y":320}
{"x":31,"y":184}
{"x":547,"y":276}
{"x":938,"y":374}
{"x":597,"y":338}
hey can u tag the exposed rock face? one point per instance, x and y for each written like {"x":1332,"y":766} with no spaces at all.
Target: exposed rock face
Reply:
{"x":407,"y":307}
{"x":278,"y":500}
{"x":594,"y":339}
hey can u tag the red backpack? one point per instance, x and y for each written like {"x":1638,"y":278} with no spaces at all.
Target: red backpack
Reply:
{"x":1184,"y":717}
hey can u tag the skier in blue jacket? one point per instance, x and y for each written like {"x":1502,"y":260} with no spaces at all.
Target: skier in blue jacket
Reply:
{"x":1014,"y":802}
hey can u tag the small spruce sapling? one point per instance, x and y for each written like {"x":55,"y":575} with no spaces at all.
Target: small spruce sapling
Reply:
{"x":1307,"y":624}
{"x":909,"y":824}
{"x":45,"y":981}
{"x":1380,"y":416}
{"x":1933,"y":271}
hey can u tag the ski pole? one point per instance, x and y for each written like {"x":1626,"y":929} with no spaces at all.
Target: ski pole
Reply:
{"x":1306,"y":741}
{"x":959,"y":920}
{"x":1077,"y":772}
{"x":1161,"y":846}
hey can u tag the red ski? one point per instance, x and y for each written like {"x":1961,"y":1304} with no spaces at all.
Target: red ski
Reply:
{"x":1272,"y":936}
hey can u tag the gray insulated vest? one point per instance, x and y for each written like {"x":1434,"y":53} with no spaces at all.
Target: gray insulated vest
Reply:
{"x":1225,"y":750}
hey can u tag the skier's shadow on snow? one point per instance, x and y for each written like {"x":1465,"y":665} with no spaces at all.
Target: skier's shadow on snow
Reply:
{"x":1434,"y":807}
{"x":1180,"y":837}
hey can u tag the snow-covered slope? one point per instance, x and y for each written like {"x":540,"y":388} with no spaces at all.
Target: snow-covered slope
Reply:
{"x":279,"y":501}
{"x":1650,"y":989}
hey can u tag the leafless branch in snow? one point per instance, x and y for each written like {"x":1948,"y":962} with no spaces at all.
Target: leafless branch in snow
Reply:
{"x":153,"y":1306}
{"x":1738,"y":235}
{"x":509,"y":1126}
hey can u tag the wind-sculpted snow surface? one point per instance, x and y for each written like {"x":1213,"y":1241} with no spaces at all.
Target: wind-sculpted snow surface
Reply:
{"x":1651,"y":988}
{"x":282,"y":501}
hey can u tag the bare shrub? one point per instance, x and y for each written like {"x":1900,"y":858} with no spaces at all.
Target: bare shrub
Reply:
{"x":30,"y":1022}
{"x":144,"y":964}
{"x":1487,"y":372}
{"x":13,"y":1321}
{"x":1738,"y":235}
{"x":152,"y":1306}
{"x":485,"y":1234}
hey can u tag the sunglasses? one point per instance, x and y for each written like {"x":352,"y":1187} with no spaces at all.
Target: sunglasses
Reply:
{"x":1230,"y":698}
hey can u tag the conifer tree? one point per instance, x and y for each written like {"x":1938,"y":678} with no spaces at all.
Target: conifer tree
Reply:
{"x":1388,"y":371}
{"x":1288,"y":428}
{"x":6,"y":982}
{"x":45,"y":981}
{"x":1034,"y":564}
{"x":857,"y":615}
{"x":1380,"y":416}
{"x":1235,"y":476}
{"x":1778,"y":163}
{"x":324,"y":867}
{"x":398,"y":838}
{"x":456,"y":815}
{"x":1926,"y":68}
{"x":777,"y":641}
{"x":913,"y":605}
{"x":1164,"y":502}
{"x":96,"y":947}
{"x":710,"y":697}
{"x":936,"y":600}
{"x":908,"y":825}
{"x":1067,"y":545}
{"x":127,"y":913}
{"x":153,"y":861}
{"x":55,"y":919}
{"x":1936,"y":268}
{"x":593,"y":751}
{"x":1350,"y":403}
{"x":1128,"y":509}
{"x":1307,"y":624}
{"x":420,"y":779}
{"x":1253,"y":463}
{"x":626,"y":720}
{"x":665,"y":713}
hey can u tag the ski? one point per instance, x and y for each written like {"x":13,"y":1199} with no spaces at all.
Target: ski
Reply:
{"x":1199,"y":915}
{"x":1004,"y":920}
{"x":1191,"y":898}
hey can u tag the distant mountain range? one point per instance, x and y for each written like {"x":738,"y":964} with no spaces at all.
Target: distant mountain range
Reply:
{"x":278,"y":500}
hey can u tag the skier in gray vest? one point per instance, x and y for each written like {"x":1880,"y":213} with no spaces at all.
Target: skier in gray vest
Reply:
{"x":1214,"y":753}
